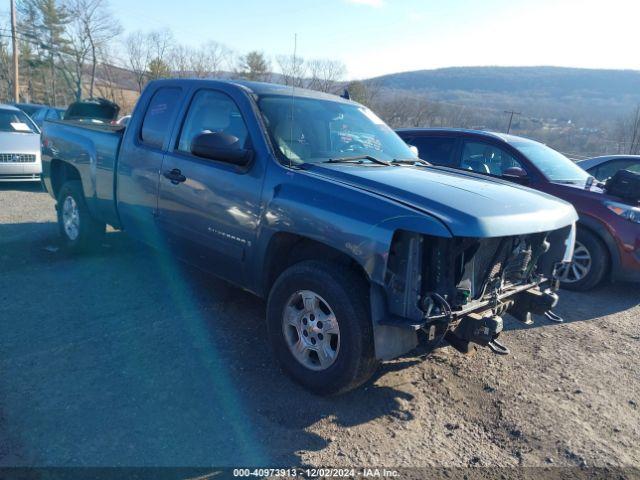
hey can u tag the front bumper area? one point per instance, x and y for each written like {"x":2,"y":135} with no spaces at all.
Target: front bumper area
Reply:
{"x":32,"y":177}
{"x":460,"y":287}
{"x":11,"y":172}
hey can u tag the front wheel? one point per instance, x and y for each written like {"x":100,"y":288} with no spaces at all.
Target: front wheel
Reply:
{"x":79,"y":230}
{"x":320,"y":327}
{"x":589,"y":264}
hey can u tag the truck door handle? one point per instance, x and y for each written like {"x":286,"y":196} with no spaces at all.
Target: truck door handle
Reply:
{"x":175,"y":176}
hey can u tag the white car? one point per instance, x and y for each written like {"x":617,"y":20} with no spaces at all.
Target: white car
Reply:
{"x":19,"y":146}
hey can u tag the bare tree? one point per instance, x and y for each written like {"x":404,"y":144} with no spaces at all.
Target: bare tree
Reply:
{"x":208,"y":60}
{"x":254,"y":66}
{"x":144,"y":48}
{"x":325,"y":74}
{"x":96,"y":25}
{"x":138,"y":56}
{"x":293,"y":70}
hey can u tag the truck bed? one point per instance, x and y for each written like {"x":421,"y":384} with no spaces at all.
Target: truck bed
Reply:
{"x":93,"y":150}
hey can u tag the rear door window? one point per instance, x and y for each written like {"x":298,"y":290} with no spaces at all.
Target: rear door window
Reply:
{"x":158,"y":120}
{"x":436,"y":150}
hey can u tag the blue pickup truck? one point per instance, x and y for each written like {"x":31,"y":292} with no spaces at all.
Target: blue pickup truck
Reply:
{"x":362,"y":250}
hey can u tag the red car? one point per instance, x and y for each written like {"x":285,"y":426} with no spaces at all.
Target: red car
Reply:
{"x":608,"y":239}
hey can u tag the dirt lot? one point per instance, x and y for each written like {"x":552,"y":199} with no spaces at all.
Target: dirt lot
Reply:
{"x":122,"y":357}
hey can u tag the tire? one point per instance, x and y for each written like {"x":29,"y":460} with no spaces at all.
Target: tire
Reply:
{"x":588,"y":245}
{"x":346,"y":295}
{"x":79,"y":230}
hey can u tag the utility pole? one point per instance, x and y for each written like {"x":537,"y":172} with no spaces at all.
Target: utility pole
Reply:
{"x":14,"y":44}
{"x":511,"y":114}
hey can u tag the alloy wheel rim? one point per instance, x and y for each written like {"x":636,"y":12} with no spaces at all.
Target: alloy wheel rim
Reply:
{"x":71,"y":218}
{"x":579,"y":267}
{"x":311,"y":330}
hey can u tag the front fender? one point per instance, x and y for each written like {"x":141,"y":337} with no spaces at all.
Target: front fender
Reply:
{"x":353,"y":221}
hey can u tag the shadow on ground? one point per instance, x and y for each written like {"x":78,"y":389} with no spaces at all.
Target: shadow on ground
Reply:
{"x":124,"y":357}
{"x":35,"y":187}
{"x":607,"y":299}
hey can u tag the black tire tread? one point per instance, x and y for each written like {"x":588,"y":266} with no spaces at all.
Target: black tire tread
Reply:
{"x":600,"y":262}
{"x":356,"y":289}
{"x":91,"y":230}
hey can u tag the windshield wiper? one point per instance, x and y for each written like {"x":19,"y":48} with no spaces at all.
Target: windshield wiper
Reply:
{"x":411,"y":161}
{"x":358,"y":158}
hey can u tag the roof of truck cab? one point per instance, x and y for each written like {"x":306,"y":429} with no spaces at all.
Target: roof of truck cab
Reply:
{"x":466,"y":131}
{"x":4,"y":106}
{"x":260,"y":88}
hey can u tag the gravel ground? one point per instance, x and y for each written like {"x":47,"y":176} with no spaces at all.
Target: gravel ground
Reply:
{"x":122,"y":357}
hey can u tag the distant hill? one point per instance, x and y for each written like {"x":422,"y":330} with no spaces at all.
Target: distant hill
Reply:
{"x":586,"y":94}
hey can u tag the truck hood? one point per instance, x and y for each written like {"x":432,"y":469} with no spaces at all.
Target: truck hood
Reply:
{"x":470,"y":205}
{"x":14,"y":142}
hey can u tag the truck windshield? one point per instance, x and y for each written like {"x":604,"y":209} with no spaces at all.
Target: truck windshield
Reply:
{"x":15,"y":121}
{"x":553,"y":165}
{"x":314,"y":130}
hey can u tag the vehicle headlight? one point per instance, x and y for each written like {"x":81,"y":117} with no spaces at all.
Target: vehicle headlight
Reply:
{"x":625,"y":211}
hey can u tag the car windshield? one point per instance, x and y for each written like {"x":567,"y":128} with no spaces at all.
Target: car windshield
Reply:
{"x":15,"y":121}
{"x":553,"y":165}
{"x":314,"y":130}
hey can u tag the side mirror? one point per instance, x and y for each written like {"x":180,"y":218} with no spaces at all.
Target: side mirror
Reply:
{"x":414,"y":150}
{"x":221,"y":147}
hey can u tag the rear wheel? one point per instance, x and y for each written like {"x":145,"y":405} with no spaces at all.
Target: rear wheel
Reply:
{"x":320,"y":327}
{"x":589,"y":265}
{"x":79,"y":230}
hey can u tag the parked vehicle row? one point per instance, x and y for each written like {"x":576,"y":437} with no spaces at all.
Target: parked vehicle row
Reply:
{"x":362,"y":250}
{"x":20,"y":126}
{"x":608,"y":239}
{"x":39,"y":113}
{"x":20,"y":158}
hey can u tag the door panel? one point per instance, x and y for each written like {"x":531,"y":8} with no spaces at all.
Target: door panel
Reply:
{"x":140,"y":162}
{"x":211,"y":216}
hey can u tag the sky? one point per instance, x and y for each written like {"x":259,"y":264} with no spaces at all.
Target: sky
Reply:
{"x":376,"y":37}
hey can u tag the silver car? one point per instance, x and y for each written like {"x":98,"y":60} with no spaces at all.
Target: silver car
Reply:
{"x":19,"y":146}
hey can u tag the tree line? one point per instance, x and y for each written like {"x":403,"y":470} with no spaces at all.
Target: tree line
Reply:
{"x":75,"y":49}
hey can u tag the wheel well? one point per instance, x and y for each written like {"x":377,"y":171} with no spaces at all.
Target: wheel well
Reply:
{"x":60,"y":173}
{"x":286,"y":249}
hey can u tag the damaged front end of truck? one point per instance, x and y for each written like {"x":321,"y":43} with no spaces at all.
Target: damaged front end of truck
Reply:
{"x":459,"y":288}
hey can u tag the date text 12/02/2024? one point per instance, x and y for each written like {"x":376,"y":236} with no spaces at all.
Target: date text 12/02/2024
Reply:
{"x":316,"y":472}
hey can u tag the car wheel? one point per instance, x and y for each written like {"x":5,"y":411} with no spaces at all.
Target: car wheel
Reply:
{"x":589,"y":266}
{"x":79,"y":230}
{"x":320,"y":327}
